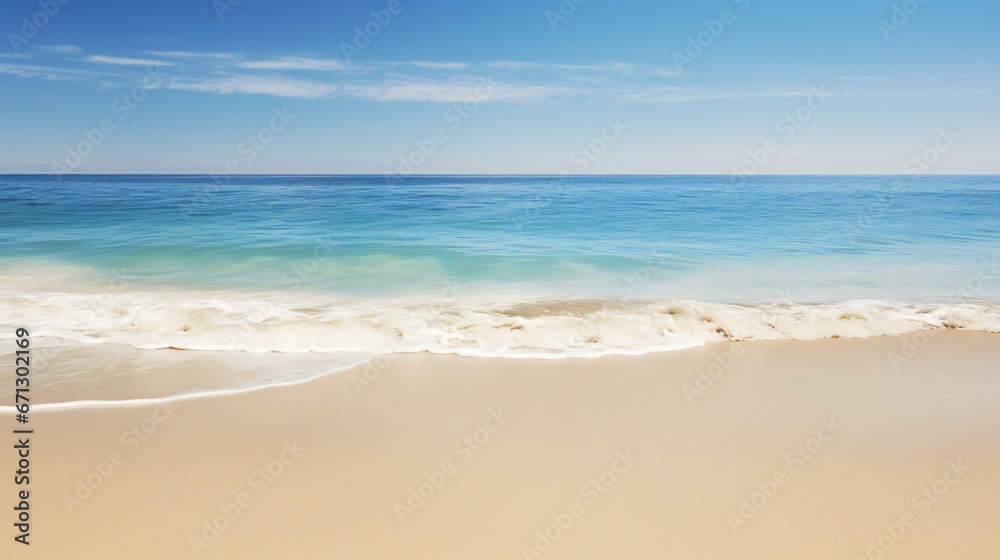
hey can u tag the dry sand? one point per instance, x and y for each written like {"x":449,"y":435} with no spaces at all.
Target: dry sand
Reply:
{"x":852,"y":444}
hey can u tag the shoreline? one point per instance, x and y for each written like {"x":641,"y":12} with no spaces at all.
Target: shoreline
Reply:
{"x":488,"y":327}
{"x":497,"y":450}
{"x":349,"y":361}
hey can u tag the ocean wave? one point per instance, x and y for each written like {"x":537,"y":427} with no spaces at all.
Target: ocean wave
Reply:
{"x":499,"y":327}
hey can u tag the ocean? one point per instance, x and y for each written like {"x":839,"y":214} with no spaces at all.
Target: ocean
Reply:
{"x":508,"y":266}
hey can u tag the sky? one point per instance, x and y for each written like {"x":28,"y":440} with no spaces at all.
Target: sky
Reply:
{"x":734,"y":87}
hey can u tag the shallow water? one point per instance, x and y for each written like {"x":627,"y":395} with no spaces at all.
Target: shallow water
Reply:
{"x":495,"y":265}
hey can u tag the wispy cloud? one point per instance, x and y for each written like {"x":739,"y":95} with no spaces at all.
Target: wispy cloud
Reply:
{"x":191,"y":54}
{"x":618,"y":67}
{"x":277,"y":86}
{"x":453,"y":91}
{"x":668,"y":94}
{"x":520,"y":65}
{"x":439,"y":65}
{"x":458,"y":90}
{"x":295,"y":63}
{"x":52,"y":73}
{"x":101,"y":59}
{"x":25,"y":71}
{"x":64,"y":49}
{"x":518,"y":82}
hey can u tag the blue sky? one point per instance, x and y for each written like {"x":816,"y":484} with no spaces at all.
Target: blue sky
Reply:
{"x":547,"y":86}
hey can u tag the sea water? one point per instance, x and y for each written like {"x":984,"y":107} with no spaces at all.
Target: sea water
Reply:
{"x":510,"y":266}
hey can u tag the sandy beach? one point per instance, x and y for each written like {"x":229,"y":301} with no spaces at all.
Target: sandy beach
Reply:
{"x":839,"y":448}
{"x":562,"y":280}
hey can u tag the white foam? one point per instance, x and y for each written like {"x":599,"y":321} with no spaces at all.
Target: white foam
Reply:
{"x":351,"y":332}
{"x":536,"y":329}
{"x":342,"y":361}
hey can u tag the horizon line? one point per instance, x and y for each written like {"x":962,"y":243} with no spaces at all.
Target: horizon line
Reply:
{"x":398,"y":176}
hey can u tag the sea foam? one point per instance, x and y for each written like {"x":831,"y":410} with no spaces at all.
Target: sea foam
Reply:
{"x":496,"y":327}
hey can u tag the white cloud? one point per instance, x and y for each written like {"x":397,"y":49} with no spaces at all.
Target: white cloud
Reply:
{"x":517,"y":65}
{"x":416,"y":90}
{"x":29,"y":71}
{"x":49,"y":73}
{"x":619,"y":67}
{"x":101,"y":59}
{"x":659,"y":72}
{"x":257,"y":85}
{"x":687,"y":95}
{"x":65,"y":49}
{"x":451,"y":91}
{"x":295,"y":63}
{"x":375,"y":82}
{"x":439,"y":65}
{"x":190,"y":54}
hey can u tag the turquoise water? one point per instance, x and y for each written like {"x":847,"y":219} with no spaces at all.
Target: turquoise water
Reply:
{"x":826,"y":237}
{"x":357,"y":251}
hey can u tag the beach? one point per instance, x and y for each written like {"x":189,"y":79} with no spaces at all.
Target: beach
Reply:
{"x":562,"y":280}
{"x":837,"y":448}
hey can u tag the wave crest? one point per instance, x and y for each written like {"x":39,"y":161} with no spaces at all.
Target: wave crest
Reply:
{"x":498,"y":328}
